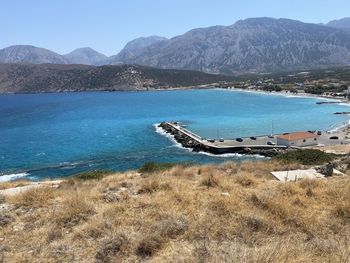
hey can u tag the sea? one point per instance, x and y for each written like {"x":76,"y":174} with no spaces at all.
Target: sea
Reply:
{"x":55,"y":135}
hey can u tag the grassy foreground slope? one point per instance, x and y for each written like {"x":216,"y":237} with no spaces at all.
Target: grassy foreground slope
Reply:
{"x":227,"y":213}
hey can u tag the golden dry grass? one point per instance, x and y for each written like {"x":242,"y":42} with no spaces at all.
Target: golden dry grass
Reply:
{"x":13,"y":184}
{"x":226,"y":213}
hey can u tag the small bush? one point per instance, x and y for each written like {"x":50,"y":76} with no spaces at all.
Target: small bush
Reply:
{"x":210,"y":181}
{"x":307,"y":157}
{"x":153,"y":185}
{"x":5,"y":220}
{"x":149,"y":245}
{"x":152,"y":167}
{"x":171,"y":227}
{"x":93,"y":175}
{"x":110,"y":247}
{"x":54,"y":234}
{"x":74,"y":209}
{"x":245,"y":180}
{"x":36,"y":197}
{"x":342,"y":211}
{"x":309,"y":183}
{"x":2,"y":199}
{"x":256,"y":224}
{"x":288,"y":189}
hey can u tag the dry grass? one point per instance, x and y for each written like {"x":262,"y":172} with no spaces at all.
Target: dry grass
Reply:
{"x":226,"y":213}
{"x":73,"y":210}
{"x":35,"y":197}
{"x":13,"y":184}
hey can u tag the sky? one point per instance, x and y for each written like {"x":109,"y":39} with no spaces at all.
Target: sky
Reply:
{"x":107,"y":25}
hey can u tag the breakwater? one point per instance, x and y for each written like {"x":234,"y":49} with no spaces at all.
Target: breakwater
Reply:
{"x":188,"y":139}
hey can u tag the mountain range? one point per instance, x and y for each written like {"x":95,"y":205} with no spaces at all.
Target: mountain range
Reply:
{"x":251,"y":45}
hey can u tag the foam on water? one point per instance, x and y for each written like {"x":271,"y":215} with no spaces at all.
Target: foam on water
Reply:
{"x":343,"y":125}
{"x":12,"y":177}
{"x":171,"y":137}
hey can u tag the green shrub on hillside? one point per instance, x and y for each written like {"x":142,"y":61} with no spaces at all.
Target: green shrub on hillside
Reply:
{"x":152,"y":167}
{"x":93,"y":175}
{"x":307,"y":157}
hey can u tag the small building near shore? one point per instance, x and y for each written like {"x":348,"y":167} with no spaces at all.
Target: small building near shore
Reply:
{"x":298,"y":139}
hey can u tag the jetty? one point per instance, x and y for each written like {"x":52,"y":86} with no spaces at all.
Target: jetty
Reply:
{"x":260,"y":145}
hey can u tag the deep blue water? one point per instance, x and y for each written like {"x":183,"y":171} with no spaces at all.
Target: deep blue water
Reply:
{"x":53,"y":135}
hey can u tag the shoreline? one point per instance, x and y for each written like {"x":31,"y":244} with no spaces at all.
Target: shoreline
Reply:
{"x":289,"y":95}
{"x":200,"y":87}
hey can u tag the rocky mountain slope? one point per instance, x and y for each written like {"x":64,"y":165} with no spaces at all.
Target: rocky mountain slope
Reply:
{"x":30,"y":54}
{"x":133,"y":47}
{"x":343,"y":23}
{"x":24,"y":78}
{"x":260,"y":44}
{"x":86,"y":56}
{"x":251,"y":45}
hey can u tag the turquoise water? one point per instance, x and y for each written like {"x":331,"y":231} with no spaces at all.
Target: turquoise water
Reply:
{"x":54,"y":135}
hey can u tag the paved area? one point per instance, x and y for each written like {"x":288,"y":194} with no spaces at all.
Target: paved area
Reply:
{"x":261,"y":141}
{"x":342,"y":135}
{"x":295,"y":175}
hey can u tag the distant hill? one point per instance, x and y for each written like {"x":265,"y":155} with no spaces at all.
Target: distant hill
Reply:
{"x":86,"y":56}
{"x":251,"y":45}
{"x":343,"y":23}
{"x":30,"y":54}
{"x":31,"y":78}
{"x":134,"y":46}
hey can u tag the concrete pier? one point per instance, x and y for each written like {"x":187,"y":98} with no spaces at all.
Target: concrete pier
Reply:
{"x":258,"y":145}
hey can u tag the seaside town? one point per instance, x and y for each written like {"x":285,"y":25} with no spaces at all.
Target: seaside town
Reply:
{"x":302,"y":83}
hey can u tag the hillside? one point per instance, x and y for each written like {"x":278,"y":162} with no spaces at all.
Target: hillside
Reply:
{"x":343,"y":23}
{"x":24,"y":78}
{"x":252,"y":45}
{"x":227,"y":213}
{"x":30,"y":54}
{"x":86,"y":56}
{"x":132,"y":48}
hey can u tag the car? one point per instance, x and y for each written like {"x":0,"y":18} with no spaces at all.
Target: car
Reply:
{"x":271,"y":143}
{"x":211,"y":140}
{"x":239,"y":140}
{"x":271,"y":136}
{"x":253,"y":138}
{"x":319,"y":133}
{"x":221,"y":140}
{"x":334,"y":138}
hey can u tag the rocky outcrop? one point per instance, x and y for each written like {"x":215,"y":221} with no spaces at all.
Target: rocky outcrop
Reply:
{"x":326,"y":170}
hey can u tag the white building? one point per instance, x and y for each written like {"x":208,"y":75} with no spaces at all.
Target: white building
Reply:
{"x":298,"y":139}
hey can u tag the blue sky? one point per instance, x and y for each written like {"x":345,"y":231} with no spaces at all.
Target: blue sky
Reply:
{"x":107,"y":25}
